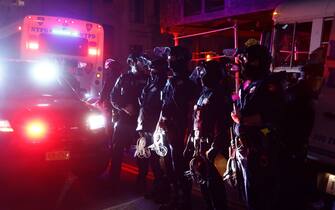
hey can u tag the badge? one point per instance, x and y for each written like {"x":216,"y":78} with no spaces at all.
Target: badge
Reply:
{"x":252,"y":90}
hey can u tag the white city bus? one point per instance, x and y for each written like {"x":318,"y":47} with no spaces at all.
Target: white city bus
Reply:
{"x":300,"y":28}
{"x":76,"y":44}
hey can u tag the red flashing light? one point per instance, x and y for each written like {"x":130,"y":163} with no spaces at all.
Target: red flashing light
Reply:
{"x":98,"y":75}
{"x":19,"y":28}
{"x":36,"y":130}
{"x":93,"y":51}
{"x":208,"y":57}
{"x":33,"y":45}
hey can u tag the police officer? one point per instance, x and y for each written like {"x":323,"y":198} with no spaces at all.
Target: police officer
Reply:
{"x":124,"y":98}
{"x":150,"y":107}
{"x":297,"y":179}
{"x":110,"y":75}
{"x":258,"y":123}
{"x":211,"y":134}
{"x":178,"y":97}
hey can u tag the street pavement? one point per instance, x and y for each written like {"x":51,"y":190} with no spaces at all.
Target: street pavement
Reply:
{"x":68,"y":192}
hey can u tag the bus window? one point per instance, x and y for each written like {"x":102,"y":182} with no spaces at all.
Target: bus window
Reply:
{"x":283,"y":44}
{"x":75,"y":46}
{"x":327,"y":24}
{"x":298,"y":35}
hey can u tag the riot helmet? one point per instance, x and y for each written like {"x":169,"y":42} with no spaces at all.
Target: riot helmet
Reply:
{"x":210,"y":73}
{"x":132,"y":58}
{"x":143,"y":64}
{"x":178,"y":59}
{"x":162,"y":52}
{"x":132,"y":62}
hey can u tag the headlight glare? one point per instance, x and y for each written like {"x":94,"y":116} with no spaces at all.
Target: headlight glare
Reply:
{"x":96,"y":121}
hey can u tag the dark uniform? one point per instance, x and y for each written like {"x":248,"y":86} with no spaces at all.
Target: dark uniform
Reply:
{"x":110,"y":75}
{"x":177,"y":96}
{"x":124,"y":98}
{"x":298,"y":181}
{"x":150,"y":108}
{"x":211,"y":130}
{"x":261,"y":109}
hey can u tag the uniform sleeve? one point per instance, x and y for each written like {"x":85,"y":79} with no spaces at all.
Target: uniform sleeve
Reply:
{"x":223,"y":122}
{"x":140,"y":118}
{"x":106,"y":90}
{"x":273,"y":104}
{"x":116,"y":96}
{"x":166,"y":99}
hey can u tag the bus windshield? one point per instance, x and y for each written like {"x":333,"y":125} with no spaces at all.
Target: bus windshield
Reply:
{"x":67,"y":45}
{"x":292,"y":44}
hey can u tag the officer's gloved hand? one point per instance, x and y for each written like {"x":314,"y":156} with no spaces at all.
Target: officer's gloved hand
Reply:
{"x":211,"y":154}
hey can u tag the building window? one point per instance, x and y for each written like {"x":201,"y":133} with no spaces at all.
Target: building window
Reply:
{"x":214,"y":5}
{"x":327,"y":25}
{"x":192,"y":7}
{"x":136,"y":11}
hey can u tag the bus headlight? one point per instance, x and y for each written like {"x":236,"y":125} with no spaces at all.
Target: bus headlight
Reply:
{"x":96,"y":121}
{"x":45,"y":72}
